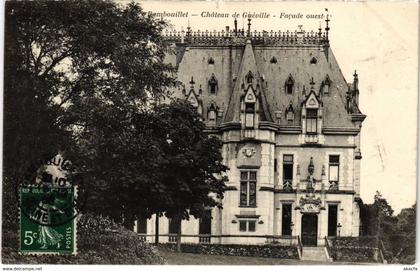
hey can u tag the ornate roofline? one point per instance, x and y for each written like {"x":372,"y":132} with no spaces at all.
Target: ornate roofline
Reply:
{"x":297,"y":37}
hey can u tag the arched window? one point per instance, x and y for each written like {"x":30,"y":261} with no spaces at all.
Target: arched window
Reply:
{"x":210,"y":61}
{"x":289,"y":84}
{"x":212,"y":113}
{"x":313,"y":61}
{"x":213,"y":85}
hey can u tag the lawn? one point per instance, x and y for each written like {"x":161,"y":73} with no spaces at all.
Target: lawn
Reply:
{"x":174,"y":258}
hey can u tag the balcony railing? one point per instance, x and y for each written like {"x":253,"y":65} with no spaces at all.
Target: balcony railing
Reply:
{"x":204,"y":238}
{"x":172,"y":238}
{"x":311,"y":139}
{"x":142,"y":236}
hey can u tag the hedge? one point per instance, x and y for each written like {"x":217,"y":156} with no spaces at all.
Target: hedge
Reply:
{"x":265,"y":251}
{"x":99,"y":241}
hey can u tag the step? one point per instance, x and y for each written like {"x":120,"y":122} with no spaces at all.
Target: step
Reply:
{"x":314,"y":254}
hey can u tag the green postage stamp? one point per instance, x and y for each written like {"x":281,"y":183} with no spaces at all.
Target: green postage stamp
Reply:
{"x":47,"y":219}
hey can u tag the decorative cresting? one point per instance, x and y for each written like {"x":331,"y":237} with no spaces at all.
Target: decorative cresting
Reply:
{"x":310,"y":203}
{"x":239,"y":36}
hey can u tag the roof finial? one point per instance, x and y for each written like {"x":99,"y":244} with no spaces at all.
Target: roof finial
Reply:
{"x":355,"y":80}
{"x":327,"y":27}
{"x":249,"y":27}
{"x":192,"y":82}
{"x":319,"y":30}
{"x":235,"y":22}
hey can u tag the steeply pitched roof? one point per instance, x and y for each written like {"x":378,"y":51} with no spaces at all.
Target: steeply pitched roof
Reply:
{"x":248,"y":68}
{"x":234,"y":60}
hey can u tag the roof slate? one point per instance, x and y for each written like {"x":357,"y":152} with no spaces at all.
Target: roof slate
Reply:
{"x":232,"y":63}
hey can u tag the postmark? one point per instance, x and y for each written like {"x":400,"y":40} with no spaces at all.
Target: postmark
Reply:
{"x":49,"y":205}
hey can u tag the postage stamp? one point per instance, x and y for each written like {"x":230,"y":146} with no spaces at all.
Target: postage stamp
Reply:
{"x":48,"y":211}
{"x":47,"y":220}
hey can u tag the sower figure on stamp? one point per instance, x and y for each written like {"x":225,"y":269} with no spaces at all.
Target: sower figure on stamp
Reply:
{"x":47,"y":235}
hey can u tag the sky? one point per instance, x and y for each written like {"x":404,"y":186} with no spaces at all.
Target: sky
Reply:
{"x":380,"y":41}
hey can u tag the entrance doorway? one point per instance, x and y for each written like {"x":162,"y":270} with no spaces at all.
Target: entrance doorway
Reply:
{"x":309,"y":230}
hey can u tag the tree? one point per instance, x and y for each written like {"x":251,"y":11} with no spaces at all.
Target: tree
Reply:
{"x":396,"y":232}
{"x":75,"y":71}
{"x":192,"y":164}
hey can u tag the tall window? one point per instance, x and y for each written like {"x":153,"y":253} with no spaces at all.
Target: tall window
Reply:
{"x":286,"y":219}
{"x":141,"y":225}
{"x":249,"y":115}
{"x":287,"y":171}
{"x":332,"y":220}
{"x":205,"y":223}
{"x":173,"y":226}
{"x":334,"y":170}
{"x":275,"y":165}
{"x":248,"y":196}
{"x":311,"y":121}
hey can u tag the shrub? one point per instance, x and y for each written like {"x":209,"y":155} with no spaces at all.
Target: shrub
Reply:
{"x":99,"y":241}
{"x":265,"y":251}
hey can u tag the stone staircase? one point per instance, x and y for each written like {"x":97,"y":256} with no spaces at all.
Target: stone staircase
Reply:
{"x":317,"y":254}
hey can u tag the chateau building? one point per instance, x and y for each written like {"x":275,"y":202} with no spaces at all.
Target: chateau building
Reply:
{"x":290,"y":124}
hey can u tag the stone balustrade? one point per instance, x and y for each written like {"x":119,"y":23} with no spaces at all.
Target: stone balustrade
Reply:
{"x":239,"y":37}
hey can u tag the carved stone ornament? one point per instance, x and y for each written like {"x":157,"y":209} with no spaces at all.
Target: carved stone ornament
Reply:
{"x":249,"y":152}
{"x":310,"y":204}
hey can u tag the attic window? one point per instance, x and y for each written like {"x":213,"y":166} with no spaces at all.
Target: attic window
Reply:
{"x":290,"y":113}
{"x":213,"y":85}
{"x":249,"y":115}
{"x":211,"y":114}
{"x":210,"y":61}
{"x":313,"y":60}
{"x":273,"y":60}
{"x":289,"y":85}
{"x":326,"y":85}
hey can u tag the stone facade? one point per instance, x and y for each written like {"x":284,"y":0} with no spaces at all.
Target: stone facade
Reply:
{"x":291,"y":126}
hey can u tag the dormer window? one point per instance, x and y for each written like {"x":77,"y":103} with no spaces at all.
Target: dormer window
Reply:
{"x":211,"y":114}
{"x":249,"y":77}
{"x":311,"y":121}
{"x":289,"y":85}
{"x":213,"y":87}
{"x":249,"y":115}
{"x":210,"y":61}
{"x":290,"y":113}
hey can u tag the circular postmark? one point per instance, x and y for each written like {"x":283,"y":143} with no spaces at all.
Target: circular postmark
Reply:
{"x":52,"y":193}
